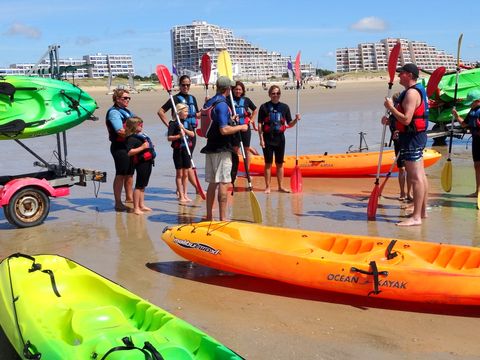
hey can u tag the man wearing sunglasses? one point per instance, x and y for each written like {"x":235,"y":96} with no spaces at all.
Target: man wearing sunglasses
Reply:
{"x":116,"y":118}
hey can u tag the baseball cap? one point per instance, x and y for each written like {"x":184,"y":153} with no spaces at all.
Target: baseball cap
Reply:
{"x":472,"y":96}
{"x":224,"y":82}
{"x":410,"y":68}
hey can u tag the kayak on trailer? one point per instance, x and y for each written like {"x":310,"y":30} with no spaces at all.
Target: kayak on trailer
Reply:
{"x":35,"y":106}
{"x":404,"y":270}
{"x":337,"y":165}
{"x":441,"y":102}
{"x":53,"y":308}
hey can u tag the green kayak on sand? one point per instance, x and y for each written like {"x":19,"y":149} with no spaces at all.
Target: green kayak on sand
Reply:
{"x":32,"y":106}
{"x":441,"y":102}
{"x":55,"y":309}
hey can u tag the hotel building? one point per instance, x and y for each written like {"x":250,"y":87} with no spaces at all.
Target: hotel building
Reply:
{"x":374,"y":56}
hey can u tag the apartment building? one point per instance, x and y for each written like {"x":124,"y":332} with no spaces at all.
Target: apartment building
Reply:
{"x":190,"y":42}
{"x":374,"y":56}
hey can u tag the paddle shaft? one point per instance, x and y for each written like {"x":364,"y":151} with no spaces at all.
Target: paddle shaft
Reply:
{"x":382,"y":145}
{"x":457,"y":72}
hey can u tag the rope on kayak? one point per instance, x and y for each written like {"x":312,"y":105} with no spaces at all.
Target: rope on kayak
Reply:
{"x":375,"y":273}
{"x":76,"y":103}
{"x":148,"y":350}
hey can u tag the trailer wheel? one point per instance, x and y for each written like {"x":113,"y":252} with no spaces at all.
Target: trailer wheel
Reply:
{"x":27,"y":207}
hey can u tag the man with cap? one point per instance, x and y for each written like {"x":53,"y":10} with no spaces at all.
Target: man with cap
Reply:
{"x":472,"y":121}
{"x":411,"y":115}
{"x":219,"y":149}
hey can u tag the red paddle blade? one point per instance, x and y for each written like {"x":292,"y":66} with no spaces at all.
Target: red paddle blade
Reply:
{"x":298,"y":74}
{"x":392,"y":61}
{"x":199,"y":186}
{"x":434,"y":80}
{"x":296,"y":182}
{"x":164,"y":77}
{"x":373,"y":202}
{"x":206,"y":68}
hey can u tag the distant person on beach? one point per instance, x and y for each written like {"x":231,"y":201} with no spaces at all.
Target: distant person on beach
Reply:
{"x":472,"y":122}
{"x":115,"y":120}
{"x":142,"y":152}
{"x":402,"y":172}
{"x":181,"y":159}
{"x":273,"y":118}
{"x":411,"y":118}
{"x":193,"y":114}
{"x":219,"y":148}
{"x":246,"y":112}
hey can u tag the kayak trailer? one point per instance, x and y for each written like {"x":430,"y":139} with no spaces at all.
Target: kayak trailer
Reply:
{"x":25,"y":198}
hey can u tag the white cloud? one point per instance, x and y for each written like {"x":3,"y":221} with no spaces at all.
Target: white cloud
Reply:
{"x":24,"y":30}
{"x":369,"y":24}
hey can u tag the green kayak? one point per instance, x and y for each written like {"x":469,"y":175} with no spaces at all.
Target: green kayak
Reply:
{"x":36,"y":106}
{"x":441,"y":102}
{"x":55,"y":309}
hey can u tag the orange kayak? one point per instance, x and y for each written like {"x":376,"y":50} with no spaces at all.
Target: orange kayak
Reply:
{"x":338,"y":165}
{"x":404,"y":270}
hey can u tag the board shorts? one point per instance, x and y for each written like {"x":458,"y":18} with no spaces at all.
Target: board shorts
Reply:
{"x":181,"y":160}
{"x":218,"y":167}
{"x":415,"y":154}
{"x":476,"y":148}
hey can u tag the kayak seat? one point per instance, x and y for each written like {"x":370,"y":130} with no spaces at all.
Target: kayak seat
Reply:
{"x":91,"y":322}
{"x":148,"y":318}
{"x":7,"y":89}
{"x":345,"y":246}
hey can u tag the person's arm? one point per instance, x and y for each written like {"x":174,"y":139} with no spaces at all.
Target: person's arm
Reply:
{"x":224,"y":117}
{"x":162,"y":112}
{"x":460,"y":120}
{"x":261,"y":118}
{"x":288,"y":116}
{"x":409,"y":104}
{"x":115,"y":119}
{"x":136,"y":150}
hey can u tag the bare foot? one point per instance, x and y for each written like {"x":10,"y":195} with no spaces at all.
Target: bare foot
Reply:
{"x":267,"y":190}
{"x":120,"y":208}
{"x":410,"y":222}
{"x":284,"y":190}
{"x":137,"y":212}
{"x":183,"y":201}
{"x":187,"y":198}
{"x":472,"y":195}
{"x":145,"y":208}
{"x":129,"y":201}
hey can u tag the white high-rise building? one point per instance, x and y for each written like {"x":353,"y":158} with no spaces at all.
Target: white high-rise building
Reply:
{"x":249,"y":62}
{"x":374,"y":56}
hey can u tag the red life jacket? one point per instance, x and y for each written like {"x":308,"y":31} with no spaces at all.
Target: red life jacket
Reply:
{"x":419,"y":121}
{"x":275,"y":121}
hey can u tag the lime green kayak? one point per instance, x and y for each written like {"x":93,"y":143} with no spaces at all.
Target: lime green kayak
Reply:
{"x":45,"y":106}
{"x":441,"y":102}
{"x":55,"y":309}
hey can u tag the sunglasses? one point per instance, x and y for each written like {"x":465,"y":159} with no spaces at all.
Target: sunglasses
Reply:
{"x":275,"y":93}
{"x":187,"y":85}
{"x":126,"y":98}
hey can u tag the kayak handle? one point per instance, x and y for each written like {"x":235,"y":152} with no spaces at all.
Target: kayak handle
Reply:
{"x":28,"y":353}
{"x":375,"y":273}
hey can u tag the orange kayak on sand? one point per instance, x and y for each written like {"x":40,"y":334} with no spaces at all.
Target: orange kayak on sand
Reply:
{"x":404,"y":270}
{"x":337,"y":165}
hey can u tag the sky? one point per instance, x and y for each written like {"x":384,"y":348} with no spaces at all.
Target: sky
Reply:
{"x":141,"y":28}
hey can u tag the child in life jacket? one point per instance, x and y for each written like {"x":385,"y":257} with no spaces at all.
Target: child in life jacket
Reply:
{"x":141,"y":152}
{"x":181,"y":158}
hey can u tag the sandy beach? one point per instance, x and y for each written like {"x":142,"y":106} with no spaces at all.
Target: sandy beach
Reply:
{"x":260,"y":319}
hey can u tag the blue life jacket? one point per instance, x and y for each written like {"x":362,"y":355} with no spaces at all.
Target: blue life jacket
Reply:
{"x":241,"y":111}
{"x":275,"y":123}
{"x":191,"y":122}
{"x":147,"y":154}
{"x":124,"y":114}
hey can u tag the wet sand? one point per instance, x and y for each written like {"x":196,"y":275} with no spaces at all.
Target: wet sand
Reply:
{"x":261,"y":319}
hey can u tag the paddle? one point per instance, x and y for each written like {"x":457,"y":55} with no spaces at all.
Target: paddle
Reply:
{"x":373,"y":201}
{"x":446,"y":177}
{"x":296,"y":183}
{"x":224,"y":68}
{"x":206,"y":67}
{"x":166,"y":80}
{"x":432,"y":86}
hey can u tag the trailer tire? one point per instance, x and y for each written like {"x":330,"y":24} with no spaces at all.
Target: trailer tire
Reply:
{"x":28,"y":207}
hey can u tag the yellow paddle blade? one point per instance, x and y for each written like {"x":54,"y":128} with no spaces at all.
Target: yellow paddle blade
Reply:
{"x":256,"y":210}
{"x":478,"y":201}
{"x":446,"y":178}
{"x":224,"y":64}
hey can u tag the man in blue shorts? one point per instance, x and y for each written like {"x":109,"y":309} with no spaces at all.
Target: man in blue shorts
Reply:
{"x":411,"y":115}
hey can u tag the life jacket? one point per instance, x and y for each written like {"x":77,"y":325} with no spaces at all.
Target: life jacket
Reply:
{"x":124,"y":114}
{"x":192,"y":122}
{"x":215,"y":140}
{"x":274,"y":123}
{"x":147,"y":154}
{"x":206,"y":117}
{"x":473,"y":120}
{"x":419,"y":121}
{"x":179,"y":143}
{"x":241,"y":111}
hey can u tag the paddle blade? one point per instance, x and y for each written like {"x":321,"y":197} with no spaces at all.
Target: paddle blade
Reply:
{"x":446,"y":178}
{"x":298,"y":74}
{"x":434,"y":80}
{"x":392,"y":61}
{"x":256,"y":210}
{"x":164,"y":77}
{"x":199,"y":186}
{"x":478,"y":201}
{"x":224,"y":64}
{"x":373,"y":202}
{"x":296,"y":182}
{"x":206,"y":68}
